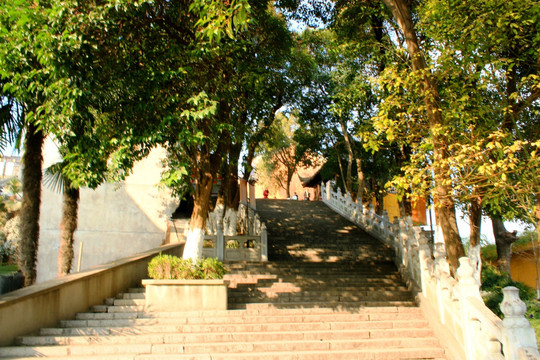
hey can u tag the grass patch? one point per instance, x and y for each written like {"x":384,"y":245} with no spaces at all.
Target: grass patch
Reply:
{"x":535,"y":323}
{"x":6,"y":269}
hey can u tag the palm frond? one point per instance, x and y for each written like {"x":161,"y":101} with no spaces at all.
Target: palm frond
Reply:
{"x":53,"y":178}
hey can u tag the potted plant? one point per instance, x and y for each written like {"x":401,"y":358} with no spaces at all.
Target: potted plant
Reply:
{"x":184,"y":284}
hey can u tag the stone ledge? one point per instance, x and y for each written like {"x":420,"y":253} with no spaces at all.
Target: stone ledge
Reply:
{"x":185,"y":295}
{"x":43,"y":305}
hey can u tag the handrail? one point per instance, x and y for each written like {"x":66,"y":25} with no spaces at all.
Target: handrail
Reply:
{"x":456,"y":301}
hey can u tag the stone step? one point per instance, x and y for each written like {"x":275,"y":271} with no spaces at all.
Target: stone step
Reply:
{"x":424,"y":353}
{"x":321,"y":273}
{"x":269,"y":287}
{"x":134,"y":295}
{"x":146,"y":327}
{"x":130,"y":302}
{"x":397,"y":319}
{"x":392,"y":354}
{"x":316,"y":304}
{"x":205,"y":334}
{"x":282,"y":265}
{"x":320,"y":297}
{"x":321,"y":281}
{"x":268,"y":315}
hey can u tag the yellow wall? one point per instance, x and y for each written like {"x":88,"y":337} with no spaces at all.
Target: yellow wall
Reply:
{"x":523,"y":267}
{"x":391,"y":205}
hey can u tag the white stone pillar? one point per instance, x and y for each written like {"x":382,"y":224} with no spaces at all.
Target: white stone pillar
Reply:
{"x":220,"y":246}
{"x":518,"y":335}
{"x":264,"y":243}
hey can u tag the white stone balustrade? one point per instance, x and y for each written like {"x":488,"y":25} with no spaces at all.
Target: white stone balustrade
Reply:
{"x":225,"y":243}
{"x":472,"y":331}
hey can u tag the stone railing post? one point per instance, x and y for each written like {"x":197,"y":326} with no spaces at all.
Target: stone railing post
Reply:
{"x":467,"y":287}
{"x":220,"y":242}
{"x":264,"y":243}
{"x":386,"y":224}
{"x":518,"y":335}
{"x":424,"y":257}
{"x":328,"y":190}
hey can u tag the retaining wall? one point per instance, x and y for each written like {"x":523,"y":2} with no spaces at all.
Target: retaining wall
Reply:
{"x":44,"y":305}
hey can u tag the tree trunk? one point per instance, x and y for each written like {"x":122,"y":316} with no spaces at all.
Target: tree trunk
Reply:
{"x":232,"y":198}
{"x":405,"y":207}
{"x":443,"y":192}
{"x":475,"y":218}
{"x":401,"y":156}
{"x":31,"y":200}
{"x":537,"y":213}
{"x":341,"y":172}
{"x":379,"y":197}
{"x":361,"y":180}
{"x":503,"y":241}
{"x":68,"y":226}
{"x":290,"y":173}
{"x":348,"y":146}
{"x":201,"y":204}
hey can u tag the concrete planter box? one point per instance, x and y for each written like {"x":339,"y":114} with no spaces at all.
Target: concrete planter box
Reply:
{"x":185,"y":295}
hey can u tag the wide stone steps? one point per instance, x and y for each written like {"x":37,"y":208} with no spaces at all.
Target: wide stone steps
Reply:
{"x":311,"y":284}
{"x":293,"y":333}
{"x":330,"y":292}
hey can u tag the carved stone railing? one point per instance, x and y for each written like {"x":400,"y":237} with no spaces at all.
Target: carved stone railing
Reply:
{"x":472,"y":329}
{"x":224,"y":242}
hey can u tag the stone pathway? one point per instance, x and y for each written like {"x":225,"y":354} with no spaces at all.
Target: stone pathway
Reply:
{"x":329,"y":292}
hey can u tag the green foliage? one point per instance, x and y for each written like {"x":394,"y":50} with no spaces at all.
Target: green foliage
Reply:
{"x":8,"y":269}
{"x":489,"y":251}
{"x":172,"y":267}
{"x":493,"y":281}
{"x":212,"y":268}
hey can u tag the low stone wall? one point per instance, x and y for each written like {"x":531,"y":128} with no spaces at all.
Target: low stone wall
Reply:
{"x":44,"y":305}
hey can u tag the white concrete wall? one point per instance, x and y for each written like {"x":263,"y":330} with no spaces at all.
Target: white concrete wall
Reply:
{"x":115,"y":220}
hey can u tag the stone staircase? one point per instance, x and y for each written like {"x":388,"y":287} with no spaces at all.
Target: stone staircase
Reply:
{"x":328,"y":292}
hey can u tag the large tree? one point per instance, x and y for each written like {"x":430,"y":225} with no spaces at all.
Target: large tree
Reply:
{"x":490,"y":67}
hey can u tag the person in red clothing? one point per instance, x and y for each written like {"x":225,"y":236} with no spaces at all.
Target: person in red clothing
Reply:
{"x":265,"y":193}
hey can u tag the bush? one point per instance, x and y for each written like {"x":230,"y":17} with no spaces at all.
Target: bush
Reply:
{"x":164,"y":267}
{"x":493,"y":281}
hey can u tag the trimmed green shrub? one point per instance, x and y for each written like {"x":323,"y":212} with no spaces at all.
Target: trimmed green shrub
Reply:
{"x":166,"y":267}
{"x":212,"y":268}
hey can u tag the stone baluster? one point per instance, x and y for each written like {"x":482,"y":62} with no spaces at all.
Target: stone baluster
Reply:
{"x":441,"y":272}
{"x":386,"y":224}
{"x":347,"y":203}
{"x":424,"y":257}
{"x":328,"y":190}
{"x":370,"y":217}
{"x":396,"y":229}
{"x":264,"y":243}
{"x":518,"y":335}
{"x":467,"y":285}
{"x":257,"y":225}
{"x":220,"y":246}
{"x":360,"y":212}
{"x":476,"y":262}
{"x":466,"y":288}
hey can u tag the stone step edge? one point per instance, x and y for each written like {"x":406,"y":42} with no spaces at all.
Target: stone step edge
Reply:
{"x":412,"y":354}
{"x":372,"y":335}
{"x":143,"y":329}
{"x":114,"y":347}
{"x":254,"y":318}
{"x":282,"y":311}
